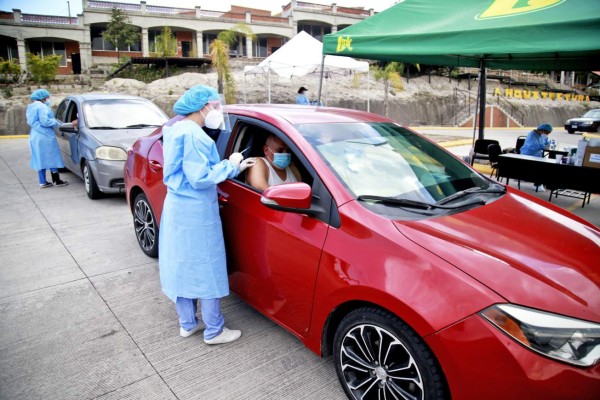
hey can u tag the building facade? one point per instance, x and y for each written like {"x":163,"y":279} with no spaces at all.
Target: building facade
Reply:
{"x":79,"y":42}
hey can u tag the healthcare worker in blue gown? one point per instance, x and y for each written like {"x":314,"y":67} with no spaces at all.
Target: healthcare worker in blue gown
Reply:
{"x":45,"y":153}
{"x":191,"y":247}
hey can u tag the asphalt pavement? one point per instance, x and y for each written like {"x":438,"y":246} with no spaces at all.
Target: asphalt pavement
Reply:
{"x":83,"y":317}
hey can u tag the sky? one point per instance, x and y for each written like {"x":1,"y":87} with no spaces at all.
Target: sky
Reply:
{"x":61,"y":7}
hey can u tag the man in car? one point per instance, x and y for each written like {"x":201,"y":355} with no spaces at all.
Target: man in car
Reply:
{"x":275,"y":168}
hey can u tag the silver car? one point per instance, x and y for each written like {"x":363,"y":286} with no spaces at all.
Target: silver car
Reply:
{"x":108,"y":124}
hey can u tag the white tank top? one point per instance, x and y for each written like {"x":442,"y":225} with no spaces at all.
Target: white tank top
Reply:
{"x":274,"y":179}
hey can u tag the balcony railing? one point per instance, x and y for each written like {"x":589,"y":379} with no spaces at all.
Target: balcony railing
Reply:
{"x":105,"y":5}
{"x":48,"y":19}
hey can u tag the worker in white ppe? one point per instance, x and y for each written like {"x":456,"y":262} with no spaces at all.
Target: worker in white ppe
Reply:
{"x":191,"y":247}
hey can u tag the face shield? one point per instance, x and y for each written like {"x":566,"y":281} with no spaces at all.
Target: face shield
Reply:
{"x":220,"y":106}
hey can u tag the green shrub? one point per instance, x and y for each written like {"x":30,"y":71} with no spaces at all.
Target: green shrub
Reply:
{"x":9,"y":70}
{"x":43,"y":70}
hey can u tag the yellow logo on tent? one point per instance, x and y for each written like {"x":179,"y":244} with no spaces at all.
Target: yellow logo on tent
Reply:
{"x":344,"y":43}
{"x":505,"y":8}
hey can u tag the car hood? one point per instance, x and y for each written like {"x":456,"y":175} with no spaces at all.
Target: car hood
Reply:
{"x":529,"y":252}
{"x":122,"y":138}
{"x":583,"y":119}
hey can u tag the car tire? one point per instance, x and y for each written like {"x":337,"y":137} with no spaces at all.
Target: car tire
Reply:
{"x":570,"y":131}
{"x":371,"y":345}
{"x":91,"y":188}
{"x":145,"y":225}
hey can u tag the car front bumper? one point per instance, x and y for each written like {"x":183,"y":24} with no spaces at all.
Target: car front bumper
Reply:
{"x":582,"y":128}
{"x":481,"y":362}
{"x":108,"y":175}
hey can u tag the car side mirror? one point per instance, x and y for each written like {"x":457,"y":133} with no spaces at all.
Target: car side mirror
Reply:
{"x":290,"y":197}
{"x":67,"y":127}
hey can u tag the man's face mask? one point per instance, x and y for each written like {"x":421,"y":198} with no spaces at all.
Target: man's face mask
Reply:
{"x":281,"y":160}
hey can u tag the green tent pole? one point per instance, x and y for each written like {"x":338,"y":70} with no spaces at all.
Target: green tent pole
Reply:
{"x":321,"y":80}
{"x":482,"y":99}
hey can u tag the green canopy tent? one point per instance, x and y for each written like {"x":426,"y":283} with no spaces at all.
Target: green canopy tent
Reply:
{"x":544,"y":35}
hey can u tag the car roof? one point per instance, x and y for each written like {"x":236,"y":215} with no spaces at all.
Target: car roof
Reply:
{"x":296,"y":114}
{"x":104,"y":96}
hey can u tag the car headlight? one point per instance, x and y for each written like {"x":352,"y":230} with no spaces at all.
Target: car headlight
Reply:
{"x":111,"y":153}
{"x":562,"y":338}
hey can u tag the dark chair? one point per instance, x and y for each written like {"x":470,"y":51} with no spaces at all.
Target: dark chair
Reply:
{"x":519,"y":144}
{"x":480,"y":150}
{"x":494,"y":152}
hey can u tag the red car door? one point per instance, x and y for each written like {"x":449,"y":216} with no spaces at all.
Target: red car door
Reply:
{"x":273,"y":256}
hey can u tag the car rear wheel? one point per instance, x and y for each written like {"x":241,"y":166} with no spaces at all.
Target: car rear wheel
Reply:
{"x":146,"y":230}
{"x":571,"y":131}
{"x":377,"y":356}
{"x":91,"y":188}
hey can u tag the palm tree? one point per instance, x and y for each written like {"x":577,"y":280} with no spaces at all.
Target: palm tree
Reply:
{"x":388,"y":73}
{"x":219,"y":54}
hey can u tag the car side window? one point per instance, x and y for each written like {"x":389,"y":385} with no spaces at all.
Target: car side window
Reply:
{"x":250,"y":139}
{"x":60,"y":111}
{"x":72,"y":113}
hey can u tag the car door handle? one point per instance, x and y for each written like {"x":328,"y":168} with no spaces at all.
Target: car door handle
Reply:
{"x":154,"y":165}
{"x":223,"y":201}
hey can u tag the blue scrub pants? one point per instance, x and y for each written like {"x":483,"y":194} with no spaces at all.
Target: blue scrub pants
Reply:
{"x":42,"y":175}
{"x":211,"y":315}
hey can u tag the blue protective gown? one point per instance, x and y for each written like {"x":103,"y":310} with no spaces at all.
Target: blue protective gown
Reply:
{"x":191,"y":247}
{"x":302,"y":99}
{"x":534,"y":144}
{"x":42,"y":140}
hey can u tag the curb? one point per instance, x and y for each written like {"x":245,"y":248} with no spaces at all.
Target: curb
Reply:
{"x":14,"y":136}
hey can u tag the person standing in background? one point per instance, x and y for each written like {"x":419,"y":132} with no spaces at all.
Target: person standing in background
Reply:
{"x":43,"y":145}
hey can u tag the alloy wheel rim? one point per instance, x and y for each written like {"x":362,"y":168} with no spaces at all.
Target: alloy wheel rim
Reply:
{"x":376,"y":365}
{"x":86,"y":178}
{"x":144,"y":225}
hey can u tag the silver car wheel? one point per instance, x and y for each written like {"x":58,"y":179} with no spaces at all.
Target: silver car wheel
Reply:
{"x":376,"y":365}
{"x":144,"y":223}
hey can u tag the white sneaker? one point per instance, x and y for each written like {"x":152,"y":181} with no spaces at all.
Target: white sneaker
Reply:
{"x":228,"y":335}
{"x":184,"y":333}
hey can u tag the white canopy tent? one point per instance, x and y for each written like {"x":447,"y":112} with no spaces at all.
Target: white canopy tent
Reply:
{"x":303,"y":55}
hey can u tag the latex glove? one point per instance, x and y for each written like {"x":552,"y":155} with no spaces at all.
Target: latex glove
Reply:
{"x":247,"y":163}
{"x":235,"y":159}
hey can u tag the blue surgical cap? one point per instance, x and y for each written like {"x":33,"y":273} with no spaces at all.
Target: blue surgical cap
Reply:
{"x":39,"y":94}
{"x":545,"y":127}
{"x":194,"y":99}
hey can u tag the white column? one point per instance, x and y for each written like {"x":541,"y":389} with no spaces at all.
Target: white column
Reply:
{"x":85,"y":50}
{"x":333,"y":28}
{"x":200,"y":48}
{"x":249,"y":47}
{"x":21,"y":52}
{"x":145,"y":43}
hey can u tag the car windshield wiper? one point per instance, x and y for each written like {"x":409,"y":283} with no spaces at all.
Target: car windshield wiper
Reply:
{"x":142,"y":126}
{"x":103,"y":127}
{"x":494,"y":189}
{"x":414,"y":203}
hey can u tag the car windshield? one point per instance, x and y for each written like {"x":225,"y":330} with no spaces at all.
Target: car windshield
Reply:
{"x":122,"y":114}
{"x":384,"y":161}
{"x":592,"y":114}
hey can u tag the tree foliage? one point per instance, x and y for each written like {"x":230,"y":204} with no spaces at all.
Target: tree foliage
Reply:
{"x":10,"y":70}
{"x":219,"y":54}
{"x":43,"y":70}
{"x":390,"y":73}
{"x":166,"y":43}
{"x":119,"y":32}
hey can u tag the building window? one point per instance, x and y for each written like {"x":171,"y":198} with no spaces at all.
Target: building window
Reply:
{"x":260,"y":48}
{"x":316,"y":31}
{"x":46,"y":48}
{"x":98,"y":42}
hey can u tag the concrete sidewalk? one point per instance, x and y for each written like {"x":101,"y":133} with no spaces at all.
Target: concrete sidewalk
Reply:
{"x":83,"y":316}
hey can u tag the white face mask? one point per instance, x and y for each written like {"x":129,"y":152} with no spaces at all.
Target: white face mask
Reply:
{"x":214,"y":119}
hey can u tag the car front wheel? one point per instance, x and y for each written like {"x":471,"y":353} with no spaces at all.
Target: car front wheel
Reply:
{"x":377,"y":356}
{"x":146,"y":230}
{"x":91,"y":188}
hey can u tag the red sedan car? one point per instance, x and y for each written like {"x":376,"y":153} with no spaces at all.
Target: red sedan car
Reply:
{"x":423,"y":278}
